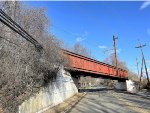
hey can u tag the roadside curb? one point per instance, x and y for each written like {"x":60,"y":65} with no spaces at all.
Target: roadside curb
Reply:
{"x":73,"y":104}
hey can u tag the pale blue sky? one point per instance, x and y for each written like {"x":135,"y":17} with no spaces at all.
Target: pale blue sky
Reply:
{"x":94,"y":23}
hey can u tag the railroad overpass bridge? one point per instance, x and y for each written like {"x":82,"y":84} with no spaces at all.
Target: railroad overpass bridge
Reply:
{"x":83,"y":66}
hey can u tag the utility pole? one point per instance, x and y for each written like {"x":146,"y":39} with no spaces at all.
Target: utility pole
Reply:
{"x":141,"y":46}
{"x":137,"y":63}
{"x":114,"y":39}
{"x":141,"y":73}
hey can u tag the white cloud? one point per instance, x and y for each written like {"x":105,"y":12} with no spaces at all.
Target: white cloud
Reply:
{"x":102,"y":47}
{"x":80,"y":39}
{"x":145,"y":5}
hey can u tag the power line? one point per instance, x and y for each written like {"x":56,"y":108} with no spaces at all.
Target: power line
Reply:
{"x":5,"y":19}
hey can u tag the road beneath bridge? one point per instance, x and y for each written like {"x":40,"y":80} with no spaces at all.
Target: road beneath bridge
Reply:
{"x":109,"y":101}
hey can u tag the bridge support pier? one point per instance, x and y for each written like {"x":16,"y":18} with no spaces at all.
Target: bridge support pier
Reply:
{"x":121,"y":85}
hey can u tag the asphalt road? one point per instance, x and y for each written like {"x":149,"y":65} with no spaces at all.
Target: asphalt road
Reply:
{"x":111,"y":102}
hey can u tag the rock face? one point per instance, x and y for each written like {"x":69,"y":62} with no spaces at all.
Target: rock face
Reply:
{"x":63,"y":87}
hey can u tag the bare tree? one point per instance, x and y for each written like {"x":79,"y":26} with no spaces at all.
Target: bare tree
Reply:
{"x":111,"y":60}
{"x":23,"y":70}
{"x":79,"y":49}
{"x":133,"y":76}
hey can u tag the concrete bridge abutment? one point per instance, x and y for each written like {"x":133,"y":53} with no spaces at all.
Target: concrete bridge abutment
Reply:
{"x":121,"y":85}
{"x":62,"y":87}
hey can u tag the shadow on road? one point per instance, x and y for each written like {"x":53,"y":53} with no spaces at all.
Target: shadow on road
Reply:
{"x":94,"y":89}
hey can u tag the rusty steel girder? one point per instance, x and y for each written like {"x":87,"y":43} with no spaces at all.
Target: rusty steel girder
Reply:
{"x":85,"y":64}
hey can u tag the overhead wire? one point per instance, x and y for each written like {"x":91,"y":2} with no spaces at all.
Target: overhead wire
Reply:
{"x":5,"y":19}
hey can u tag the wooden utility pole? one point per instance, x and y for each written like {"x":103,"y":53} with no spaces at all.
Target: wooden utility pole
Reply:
{"x":137,"y":63}
{"x":114,"y":39}
{"x":141,"y":73}
{"x":141,"y":46}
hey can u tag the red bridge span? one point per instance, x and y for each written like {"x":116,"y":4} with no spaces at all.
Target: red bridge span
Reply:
{"x":87,"y":66}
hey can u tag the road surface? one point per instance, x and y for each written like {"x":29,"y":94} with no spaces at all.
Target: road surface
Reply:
{"x":111,"y":102}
